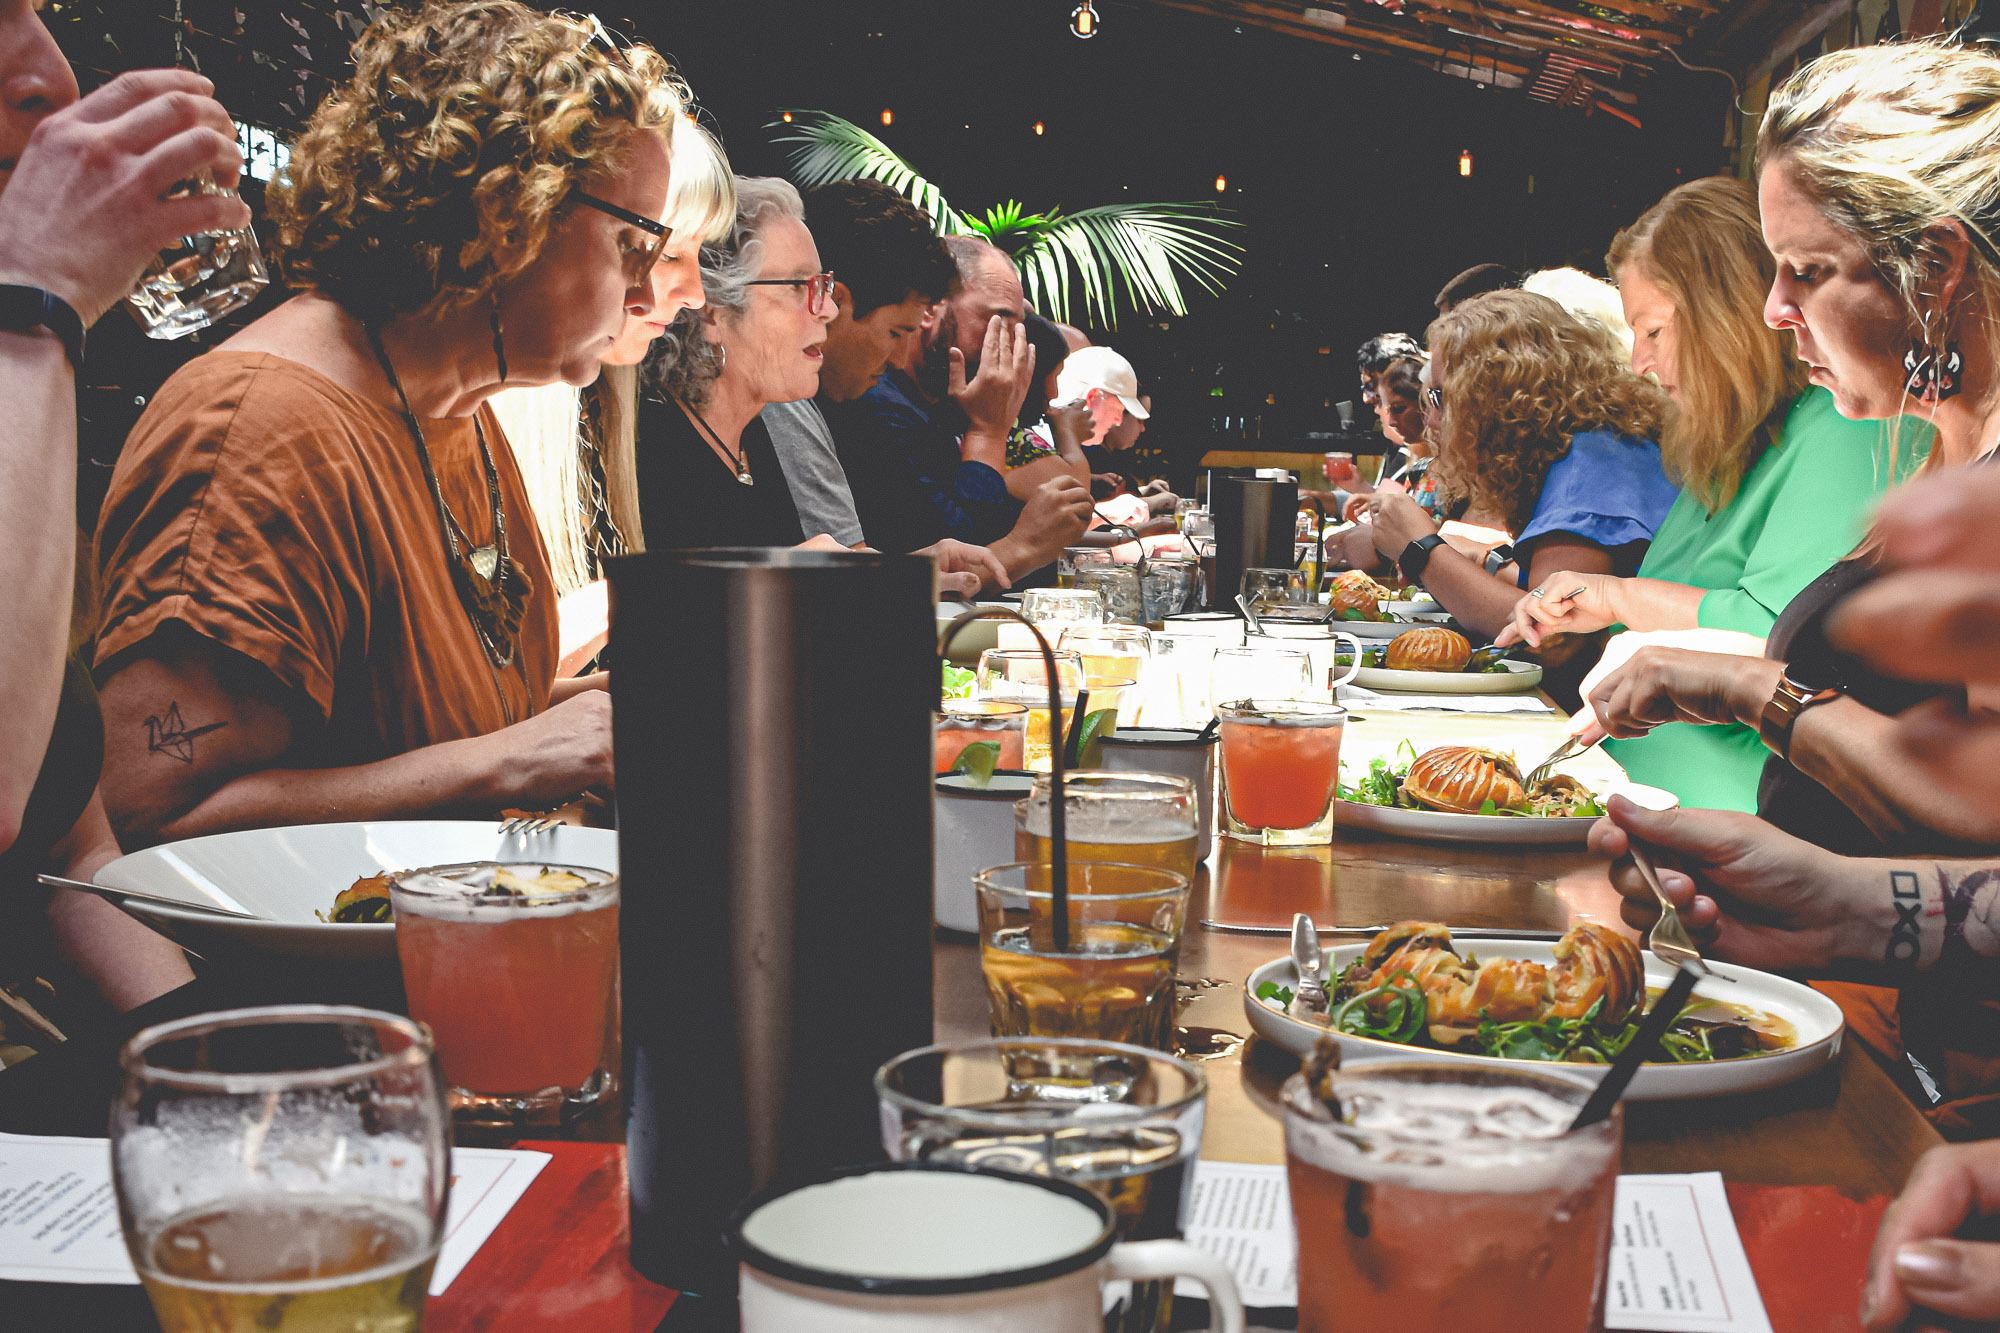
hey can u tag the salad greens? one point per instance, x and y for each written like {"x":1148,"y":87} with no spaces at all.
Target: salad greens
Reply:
{"x":1383,"y":785}
{"x":957,"y":682}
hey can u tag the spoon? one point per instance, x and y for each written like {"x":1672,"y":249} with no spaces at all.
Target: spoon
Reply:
{"x":1307,"y":960}
{"x":1243,"y":604}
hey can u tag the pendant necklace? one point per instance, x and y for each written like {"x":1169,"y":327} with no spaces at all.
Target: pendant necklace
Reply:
{"x":742,"y":464}
{"x":490,"y":586}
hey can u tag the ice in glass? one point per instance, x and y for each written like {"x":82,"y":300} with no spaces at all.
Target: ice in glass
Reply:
{"x":1280,"y":770}
{"x":965,"y":722}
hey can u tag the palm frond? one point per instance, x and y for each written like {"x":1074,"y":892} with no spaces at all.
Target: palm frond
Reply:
{"x":831,"y":148}
{"x":1137,"y":252}
{"x":1009,"y":227}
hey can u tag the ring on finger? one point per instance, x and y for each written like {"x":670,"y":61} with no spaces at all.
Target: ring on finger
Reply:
{"x":1538,"y":592}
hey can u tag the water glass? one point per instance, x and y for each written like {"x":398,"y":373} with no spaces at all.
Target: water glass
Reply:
{"x":515,"y":969}
{"x":1168,"y":586}
{"x":1450,"y":1189}
{"x":1118,"y":585}
{"x":1322,"y":645}
{"x":198,"y":279}
{"x":1176,"y":692}
{"x":282,"y":1168}
{"x":1112,"y":979}
{"x":1280,"y":770}
{"x":1074,"y":558}
{"x":1142,"y":819}
{"x":1122,"y":1122}
{"x":1274,"y":587}
{"x":966,"y":722}
{"x":1052,"y":609}
{"x":1260,"y":672}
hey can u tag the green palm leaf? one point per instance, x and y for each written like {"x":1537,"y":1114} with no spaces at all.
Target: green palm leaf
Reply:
{"x":1135,"y":253}
{"x":833,"y":149}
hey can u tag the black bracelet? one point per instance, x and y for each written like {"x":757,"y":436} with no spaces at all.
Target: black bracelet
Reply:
{"x":23,"y":309}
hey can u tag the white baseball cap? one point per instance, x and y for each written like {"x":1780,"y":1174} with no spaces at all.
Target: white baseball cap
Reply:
{"x":1090,"y":368}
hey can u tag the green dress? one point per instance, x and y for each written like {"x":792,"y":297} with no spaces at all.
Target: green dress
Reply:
{"x":1801,"y":508}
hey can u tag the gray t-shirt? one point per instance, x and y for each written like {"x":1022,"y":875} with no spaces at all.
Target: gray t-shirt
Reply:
{"x":812,"y":470}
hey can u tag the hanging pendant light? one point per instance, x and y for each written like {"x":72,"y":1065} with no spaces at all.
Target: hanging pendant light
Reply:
{"x":1083,"y":20}
{"x":1465,"y":162}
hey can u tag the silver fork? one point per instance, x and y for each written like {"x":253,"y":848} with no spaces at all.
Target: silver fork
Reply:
{"x":1669,"y":939}
{"x":527,"y":826}
{"x":1565,"y":752}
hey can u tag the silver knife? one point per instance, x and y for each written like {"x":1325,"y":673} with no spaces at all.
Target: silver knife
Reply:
{"x":115,"y":895}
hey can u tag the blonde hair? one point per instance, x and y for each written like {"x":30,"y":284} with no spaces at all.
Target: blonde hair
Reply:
{"x":1889,"y":140}
{"x":1586,"y":297}
{"x":1702,"y":246}
{"x":436,"y":171}
{"x":1524,"y":376}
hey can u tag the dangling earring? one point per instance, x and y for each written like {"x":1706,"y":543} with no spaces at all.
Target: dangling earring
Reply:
{"x":499,"y":338}
{"x":1931,"y":377}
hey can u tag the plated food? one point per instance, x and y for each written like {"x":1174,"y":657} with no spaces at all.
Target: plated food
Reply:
{"x":1427,"y":648}
{"x":1355,"y":596}
{"x":1576,"y":1002}
{"x":1468,"y":780}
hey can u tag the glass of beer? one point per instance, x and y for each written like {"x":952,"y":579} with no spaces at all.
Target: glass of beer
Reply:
{"x":1144,"y":819}
{"x":962,"y":723}
{"x":198,"y":279}
{"x":1021,"y":676}
{"x":515,"y":969}
{"x":1112,"y":979}
{"x":282,"y":1169}
{"x":1452,"y":1189}
{"x":1122,"y":1122}
{"x":1110,"y":650}
{"x":1280,"y":770}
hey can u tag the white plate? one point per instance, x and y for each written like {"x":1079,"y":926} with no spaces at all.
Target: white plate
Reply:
{"x":1816,"y":1019}
{"x":1443,"y":826}
{"x":976,"y":637}
{"x":284,"y":875}
{"x":1518,"y":678}
{"x":1383,"y":630}
{"x":1415,"y":606}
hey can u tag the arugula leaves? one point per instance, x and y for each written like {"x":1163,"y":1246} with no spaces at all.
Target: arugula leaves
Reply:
{"x":957,"y":682}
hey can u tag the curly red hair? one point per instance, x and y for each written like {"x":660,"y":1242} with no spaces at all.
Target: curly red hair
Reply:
{"x":436,"y":171}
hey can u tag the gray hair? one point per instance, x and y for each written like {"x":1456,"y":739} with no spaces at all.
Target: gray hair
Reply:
{"x":686,"y":361}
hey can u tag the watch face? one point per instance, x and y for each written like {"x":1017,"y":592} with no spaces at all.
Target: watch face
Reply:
{"x":1813,"y":677}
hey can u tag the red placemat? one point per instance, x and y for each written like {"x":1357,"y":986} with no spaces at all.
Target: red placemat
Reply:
{"x":1808,"y":1247}
{"x":559,"y":1260}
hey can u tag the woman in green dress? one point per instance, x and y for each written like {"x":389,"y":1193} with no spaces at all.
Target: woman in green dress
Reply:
{"x":1775,"y":485}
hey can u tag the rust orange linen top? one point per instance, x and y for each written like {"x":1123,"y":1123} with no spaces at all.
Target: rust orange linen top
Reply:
{"x":274,"y":512}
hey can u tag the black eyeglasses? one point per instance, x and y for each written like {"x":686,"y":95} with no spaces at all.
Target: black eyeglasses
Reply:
{"x":819,"y":288}
{"x":636,"y":270}
{"x":1435,"y":397}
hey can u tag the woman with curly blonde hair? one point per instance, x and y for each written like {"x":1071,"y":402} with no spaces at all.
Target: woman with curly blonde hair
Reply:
{"x":1538,"y":423}
{"x":1775,"y":484}
{"x":324,"y":594}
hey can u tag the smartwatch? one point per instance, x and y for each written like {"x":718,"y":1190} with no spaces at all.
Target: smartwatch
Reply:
{"x":1781,"y":714}
{"x":1417,"y":556}
{"x":25,"y":308}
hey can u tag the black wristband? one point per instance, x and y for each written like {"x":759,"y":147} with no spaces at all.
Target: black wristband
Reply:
{"x":26,"y":308}
{"x":1416,"y":557}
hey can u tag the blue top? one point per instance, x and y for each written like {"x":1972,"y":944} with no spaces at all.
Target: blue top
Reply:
{"x":910,"y":485}
{"x":1608,"y":489}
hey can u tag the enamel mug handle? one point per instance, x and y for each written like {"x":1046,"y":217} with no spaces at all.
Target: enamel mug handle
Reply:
{"x":1354,"y":669}
{"x":1141,"y":1260}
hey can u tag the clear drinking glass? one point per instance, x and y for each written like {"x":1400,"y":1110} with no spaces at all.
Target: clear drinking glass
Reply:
{"x":1185,"y":509}
{"x":1451,"y":1189}
{"x":515,"y":969}
{"x":1057,"y":608}
{"x":1111,"y":650}
{"x":1074,"y":558}
{"x":1323,"y":645}
{"x":1280,"y":770}
{"x":1274,"y":587}
{"x":1260,"y":672}
{"x":1176,"y":690}
{"x":282,"y":1169}
{"x":1021,"y":676}
{"x":1143,"y":819}
{"x":964,"y":722}
{"x":198,"y":279}
{"x":1122,"y":1122}
{"x":1118,"y":585}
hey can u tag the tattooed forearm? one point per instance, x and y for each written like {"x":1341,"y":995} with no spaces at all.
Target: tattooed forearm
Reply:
{"x":168,"y":735}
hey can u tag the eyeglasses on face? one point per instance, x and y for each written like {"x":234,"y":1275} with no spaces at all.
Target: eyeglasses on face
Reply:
{"x":819,"y":288}
{"x":641,"y":261}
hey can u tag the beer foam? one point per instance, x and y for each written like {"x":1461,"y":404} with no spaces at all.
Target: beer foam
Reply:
{"x":1459,"y":1138}
{"x":1091,"y":825}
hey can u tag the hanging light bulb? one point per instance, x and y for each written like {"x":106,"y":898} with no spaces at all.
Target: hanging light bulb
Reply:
{"x":1038,"y":127}
{"x":888,"y":116}
{"x":1465,"y":162}
{"x":1083,"y":20}
{"x":788,"y":118}
{"x":1221,"y":184}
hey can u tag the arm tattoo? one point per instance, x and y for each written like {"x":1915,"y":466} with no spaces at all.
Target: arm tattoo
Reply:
{"x":1906,"y":936}
{"x":174,"y":738}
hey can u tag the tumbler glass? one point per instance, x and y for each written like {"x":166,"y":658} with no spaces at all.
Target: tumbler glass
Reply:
{"x":1260,"y":673}
{"x":1280,"y":770}
{"x":198,"y":279}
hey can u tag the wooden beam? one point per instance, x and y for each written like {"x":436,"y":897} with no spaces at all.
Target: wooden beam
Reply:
{"x":1561,"y":16}
{"x":1515,"y":25}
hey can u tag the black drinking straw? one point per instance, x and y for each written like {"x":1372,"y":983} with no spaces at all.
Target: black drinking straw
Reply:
{"x":1058,"y":830}
{"x":1073,"y":743}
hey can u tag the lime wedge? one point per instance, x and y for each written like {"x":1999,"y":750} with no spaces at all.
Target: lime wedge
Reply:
{"x":977,"y":761}
{"x":1096,"y":726}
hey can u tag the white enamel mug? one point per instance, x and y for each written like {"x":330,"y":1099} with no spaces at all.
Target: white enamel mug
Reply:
{"x":946,"y":1249}
{"x":1321,"y":644}
{"x":975,"y":829}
